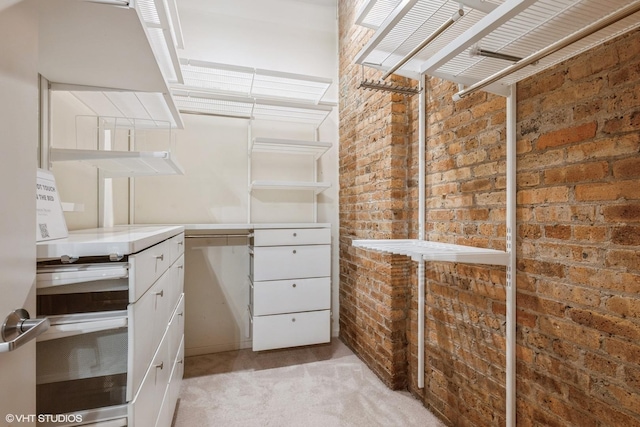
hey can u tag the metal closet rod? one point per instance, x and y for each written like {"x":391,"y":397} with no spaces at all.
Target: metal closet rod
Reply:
{"x":457,"y":15}
{"x":560,"y":44}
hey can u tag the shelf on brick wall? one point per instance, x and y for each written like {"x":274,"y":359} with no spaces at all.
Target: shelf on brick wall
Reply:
{"x":422,"y":250}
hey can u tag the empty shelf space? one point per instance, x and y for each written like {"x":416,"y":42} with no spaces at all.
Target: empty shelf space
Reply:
{"x":317,"y":187}
{"x":422,"y":250}
{"x":265,"y":145}
{"x":122,"y":163}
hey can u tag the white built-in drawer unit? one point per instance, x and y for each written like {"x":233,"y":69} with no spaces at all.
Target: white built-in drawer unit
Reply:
{"x":290,"y":295}
{"x":114,"y":352}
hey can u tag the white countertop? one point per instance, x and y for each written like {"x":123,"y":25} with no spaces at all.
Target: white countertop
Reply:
{"x":247,"y":227}
{"x":121,"y":240}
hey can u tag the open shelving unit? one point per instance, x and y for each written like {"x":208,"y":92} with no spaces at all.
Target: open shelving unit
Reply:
{"x":489,"y":45}
{"x":312,"y":150}
{"x":251,"y":93}
{"x":117,"y":164}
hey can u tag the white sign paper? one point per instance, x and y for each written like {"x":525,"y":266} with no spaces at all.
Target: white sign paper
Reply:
{"x":50,"y":223}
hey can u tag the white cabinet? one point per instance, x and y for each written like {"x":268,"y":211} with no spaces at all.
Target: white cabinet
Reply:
{"x":290,"y":295}
{"x":115,"y":349}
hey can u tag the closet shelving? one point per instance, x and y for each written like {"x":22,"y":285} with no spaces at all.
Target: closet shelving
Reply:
{"x":489,"y":45}
{"x":521,"y":29}
{"x":116,"y":56}
{"x":115,"y":163}
{"x":311,"y":150}
{"x":251,"y":93}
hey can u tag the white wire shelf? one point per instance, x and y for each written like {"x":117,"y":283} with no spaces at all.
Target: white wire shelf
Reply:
{"x":517,"y":28}
{"x":234,"y":91}
{"x":290,"y":146}
{"x":252,"y":82}
{"x":422,"y":250}
{"x":121,"y":163}
{"x":316,"y":187}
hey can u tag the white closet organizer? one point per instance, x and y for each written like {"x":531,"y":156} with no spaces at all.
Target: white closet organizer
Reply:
{"x":114,"y":136}
{"x":117,"y":57}
{"x":488,"y":45}
{"x":290,"y":289}
{"x":114,"y":352}
{"x":309,"y":150}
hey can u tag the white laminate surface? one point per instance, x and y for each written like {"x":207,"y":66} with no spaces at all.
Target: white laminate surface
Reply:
{"x":122,"y":240}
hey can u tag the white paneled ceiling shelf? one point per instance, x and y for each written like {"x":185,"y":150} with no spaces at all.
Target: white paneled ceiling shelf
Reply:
{"x":317,"y":187}
{"x":235,"y":91}
{"x":487,"y":44}
{"x":114,"y":54}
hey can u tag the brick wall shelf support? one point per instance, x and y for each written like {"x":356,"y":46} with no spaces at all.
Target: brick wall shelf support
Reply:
{"x":421,"y":251}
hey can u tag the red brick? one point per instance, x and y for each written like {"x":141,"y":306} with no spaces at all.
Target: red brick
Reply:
{"x":567,"y":136}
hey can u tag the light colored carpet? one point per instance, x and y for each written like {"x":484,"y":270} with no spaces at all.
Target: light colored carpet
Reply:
{"x":325,"y":385}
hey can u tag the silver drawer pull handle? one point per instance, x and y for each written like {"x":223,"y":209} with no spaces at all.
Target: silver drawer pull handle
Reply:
{"x":161,"y":365}
{"x":180,"y":266}
{"x":180,"y":361}
{"x":160,"y":257}
{"x":180,"y":242}
{"x":19,"y":329}
{"x":181,"y":314}
{"x":294,"y":285}
{"x":295,"y":234}
{"x":294,"y":251}
{"x":293,"y":320}
{"x":161,"y":293}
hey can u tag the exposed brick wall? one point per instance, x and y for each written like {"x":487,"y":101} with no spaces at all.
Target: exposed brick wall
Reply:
{"x":374,"y":148}
{"x":578,"y":239}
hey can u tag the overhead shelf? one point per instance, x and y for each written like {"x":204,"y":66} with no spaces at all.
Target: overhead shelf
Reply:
{"x":516,"y":29}
{"x":121,"y":163}
{"x":111,"y":49}
{"x":234,"y":91}
{"x":316,"y":187}
{"x":289,"y":146}
{"x":422,"y":250}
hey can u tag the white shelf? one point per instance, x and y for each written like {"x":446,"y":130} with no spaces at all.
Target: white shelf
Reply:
{"x":290,"y":146}
{"x":317,"y":187}
{"x":121,"y":163}
{"x":422,"y":250}
{"x":112,"y":51}
{"x":518,"y":28}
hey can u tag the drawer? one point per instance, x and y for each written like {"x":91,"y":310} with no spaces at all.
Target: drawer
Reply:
{"x":287,"y":296}
{"x":147,"y":266}
{"x":176,"y":245}
{"x":290,"y":262}
{"x":176,"y":328}
{"x":175,"y":290}
{"x":148,"y":320}
{"x":144,"y":408}
{"x":290,"y":330}
{"x":292,"y":236}
{"x":172,"y":392}
{"x":81,"y":372}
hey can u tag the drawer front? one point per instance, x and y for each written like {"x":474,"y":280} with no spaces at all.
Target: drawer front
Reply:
{"x":177,"y":278}
{"x":148,"y":320}
{"x":287,"y":296}
{"x":176,"y":328}
{"x":292,"y":236}
{"x":146,"y":267}
{"x":291,"y":262}
{"x":176,"y":245}
{"x":290,"y":330}
{"x":144,"y":408}
{"x":173,"y":390}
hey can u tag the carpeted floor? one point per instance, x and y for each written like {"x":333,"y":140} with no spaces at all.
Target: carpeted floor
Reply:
{"x":325,"y":385}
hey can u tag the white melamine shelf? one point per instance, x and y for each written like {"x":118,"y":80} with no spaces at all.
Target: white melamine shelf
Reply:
{"x":422,"y":250}
{"x":122,"y":163}
{"x":289,"y":146}
{"x":317,"y":187}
